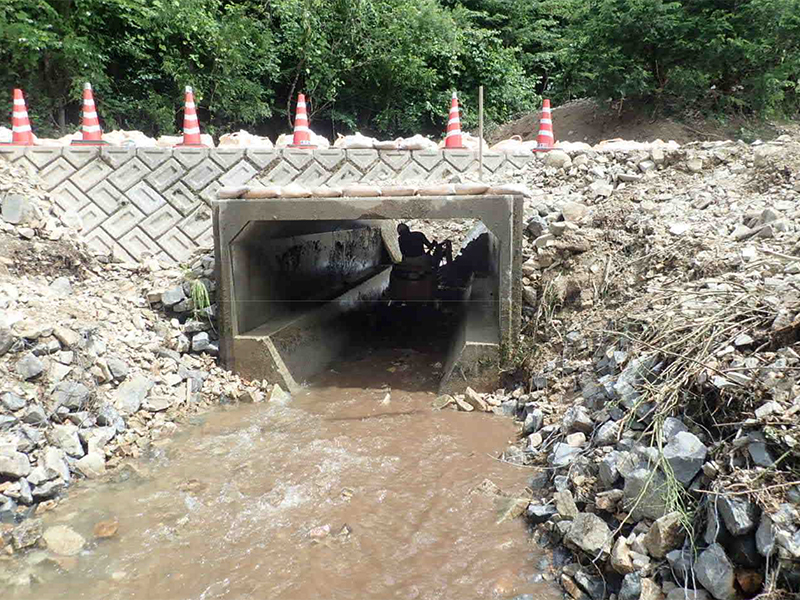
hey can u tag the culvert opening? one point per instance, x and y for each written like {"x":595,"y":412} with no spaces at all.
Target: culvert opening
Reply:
{"x":300,"y":293}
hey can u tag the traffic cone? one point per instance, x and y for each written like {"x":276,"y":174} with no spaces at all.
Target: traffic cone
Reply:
{"x":191,"y":126}
{"x":452,"y":138}
{"x":545,"y":139}
{"x":302,"y":134}
{"x":21,"y":134}
{"x":91,"y":133}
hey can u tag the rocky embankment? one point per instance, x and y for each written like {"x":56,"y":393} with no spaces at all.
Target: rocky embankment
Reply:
{"x":98,"y":361}
{"x":657,"y":388}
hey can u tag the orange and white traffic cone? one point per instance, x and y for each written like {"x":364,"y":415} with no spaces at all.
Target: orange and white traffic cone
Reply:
{"x":545,"y":139}
{"x":302,"y":134}
{"x":21,"y":134}
{"x":191,"y":126}
{"x":91,"y":133}
{"x":452,"y":138}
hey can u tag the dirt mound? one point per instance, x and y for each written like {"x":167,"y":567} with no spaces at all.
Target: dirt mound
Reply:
{"x":590,"y":122}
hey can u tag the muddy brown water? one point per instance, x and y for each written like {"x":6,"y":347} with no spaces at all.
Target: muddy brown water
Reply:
{"x":339,"y":494}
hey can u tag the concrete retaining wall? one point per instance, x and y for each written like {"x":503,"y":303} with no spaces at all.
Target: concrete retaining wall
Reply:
{"x":135,"y":201}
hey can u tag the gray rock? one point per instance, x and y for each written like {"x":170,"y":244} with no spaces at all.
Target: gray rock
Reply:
{"x":48,"y":489}
{"x":29,"y":366}
{"x":173,"y":296}
{"x":54,"y":460}
{"x":92,"y":465}
{"x":97,"y":437}
{"x":565,"y":504}
{"x":607,"y":470}
{"x":665,"y":534}
{"x":508,"y":408}
{"x":687,"y":594}
{"x":631,"y":587}
{"x":681,"y":562}
{"x":645,"y":494}
{"x":200,"y":342}
{"x":61,"y":286}
{"x":7,"y":340}
{"x":66,"y":438}
{"x":16,"y":209}
{"x":118,"y":368}
{"x":25,"y":495}
{"x":157,"y":403}
{"x":108,"y":416}
{"x":129,"y":396}
{"x":540,"y":513}
{"x":11,"y":401}
{"x":577,"y":419}
{"x":563,"y":455}
{"x":536,"y":226}
{"x":14,"y":464}
{"x":743,"y":551}
{"x":7,"y":422}
{"x":590,"y":533}
{"x":71,"y":394}
{"x":606,"y":434}
{"x":740,"y":515}
{"x":533,"y":422}
{"x":760,"y":454}
{"x":671,"y":428}
{"x":715,"y":573}
{"x":558,"y":159}
{"x":39,"y":475}
{"x":765,"y":536}
{"x":35,"y":415}
{"x":26,"y":534}
{"x":685,"y":453}
{"x":593,"y":586}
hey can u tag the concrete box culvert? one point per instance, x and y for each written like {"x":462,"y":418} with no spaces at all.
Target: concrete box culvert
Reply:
{"x":288,"y":270}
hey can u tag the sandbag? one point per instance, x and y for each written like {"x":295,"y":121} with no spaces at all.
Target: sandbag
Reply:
{"x":470,"y":142}
{"x":388,"y":145}
{"x":168,"y":141}
{"x":398,"y":190}
{"x":236,"y":191}
{"x":360,"y":190}
{"x":470,"y":189}
{"x":136,"y":139}
{"x":244,"y":139}
{"x":324,"y":191}
{"x":287,"y":139}
{"x":354,"y":142}
{"x":445,"y":189}
{"x":417,"y":142}
{"x":509,"y":146}
{"x":510,"y":188}
{"x":5,"y":135}
{"x":295,"y":190}
{"x":270,"y":191}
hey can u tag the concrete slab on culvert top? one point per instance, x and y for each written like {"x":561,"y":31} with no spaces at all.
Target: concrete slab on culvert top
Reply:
{"x":331,"y":253}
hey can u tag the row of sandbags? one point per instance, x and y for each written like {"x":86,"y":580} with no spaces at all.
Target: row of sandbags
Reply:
{"x":361,"y":190}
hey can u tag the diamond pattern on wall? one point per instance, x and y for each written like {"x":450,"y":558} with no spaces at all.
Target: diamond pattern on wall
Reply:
{"x":156,"y":201}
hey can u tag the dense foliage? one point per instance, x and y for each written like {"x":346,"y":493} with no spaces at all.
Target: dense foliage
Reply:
{"x":389,"y":66}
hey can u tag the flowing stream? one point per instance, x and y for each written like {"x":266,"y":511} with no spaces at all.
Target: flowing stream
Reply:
{"x":355,"y":489}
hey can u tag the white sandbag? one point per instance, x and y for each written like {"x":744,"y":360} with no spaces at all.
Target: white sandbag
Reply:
{"x":168,"y":141}
{"x":512,"y":145}
{"x":64,"y":140}
{"x":287,"y":139}
{"x":244,"y":139}
{"x":354,"y":142}
{"x":389,"y":144}
{"x":5,"y":135}
{"x":324,"y":191}
{"x":510,"y":188}
{"x":470,"y":142}
{"x":445,"y":189}
{"x":236,"y":191}
{"x":360,"y":191}
{"x":470,"y":189}
{"x":269,"y":191}
{"x":417,"y":142}
{"x":136,"y":139}
{"x":295,"y":190}
{"x":398,"y":190}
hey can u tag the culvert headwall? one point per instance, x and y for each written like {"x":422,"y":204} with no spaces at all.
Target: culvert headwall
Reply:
{"x":288,"y":270}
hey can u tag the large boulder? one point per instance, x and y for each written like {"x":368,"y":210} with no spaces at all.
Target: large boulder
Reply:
{"x":715,"y":573}
{"x":685,"y":454}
